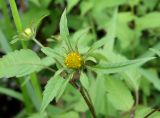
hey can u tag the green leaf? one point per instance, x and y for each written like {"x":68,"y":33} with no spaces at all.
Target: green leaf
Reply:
{"x":101,"y":4}
{"x":156,"y":51}
{"x":38,"y":115}
{"x":11,"y":93}
{"x":96,"y":45}
{"x":143,"y":111}
{"x":52,"y":89}
{"x":132,"y":77}
{"x":152,"y":77}
{"x":85,"y":6}
{"x":111,"y":32}
{"x":63,"y":87}
{"x":70,"y":114}
{"x":4,"y":43}
{"x":118,"y":94}
{"x":19,"y":63}
{"x":46,"y":61}
{"x":120,"y":66}
{"x":71,"y":4}
{"x":49,"y":52}
{"x":64,"y":32}
{"x":84,"y":80}
{"x":150,"y":20}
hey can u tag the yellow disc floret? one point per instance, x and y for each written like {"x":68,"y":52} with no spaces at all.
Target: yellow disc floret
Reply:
{"x":73,"y":60}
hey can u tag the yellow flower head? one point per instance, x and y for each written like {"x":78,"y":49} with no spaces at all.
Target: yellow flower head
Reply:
{"x":73,"y":60}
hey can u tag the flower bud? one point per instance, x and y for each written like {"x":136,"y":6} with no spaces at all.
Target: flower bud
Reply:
{"x":27,"y":34}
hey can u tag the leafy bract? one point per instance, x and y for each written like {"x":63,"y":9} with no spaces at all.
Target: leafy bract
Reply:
{"x":120,"y":66}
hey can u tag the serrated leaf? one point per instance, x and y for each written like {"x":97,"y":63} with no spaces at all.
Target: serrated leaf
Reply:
{"x":19,"y":63}
{"x":50,"y":52}
{"x":63,"y":87}
{"x":120,"y":66}
{"x":64,"y":32}
{"x":54,"y":87}
{"x":118,"y":94}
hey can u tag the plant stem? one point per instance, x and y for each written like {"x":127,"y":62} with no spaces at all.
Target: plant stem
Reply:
{"x":27,"y":90}
{"x":150,"y":113}
{"x":87,"y":100}
{"x":17,"y":19}
{"x":37,"y":42}
{"x":90,"y":106}
{"x":132,"y":112}
{"x":36,"y":85}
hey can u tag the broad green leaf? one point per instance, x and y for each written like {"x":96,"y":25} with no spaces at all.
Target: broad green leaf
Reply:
{"x":84,"y":80}
{"x":101,"y":4}
{"x":132,"y":77}
{"x":118,"y":94}
{"x":70,"y":114}
{"x":143,"y":111}
{"x":45,"y":62}
{"x":85,"y":6}
{"x":11,"y":93}
{"x":45,"y":3}
{"x":151,"y":76}
{"x":4,"y":43}
{"x":111,"y":32}
{"x":52,"y":89}
{"x":156,"y":51}
{"x":120,"y":66}
{"x":99,"y":97}
{"x":150,"y":20}
{"x":36,"y":2}
{"x":57,"y":55}
{"x":125,"y":34}
{"x":71,"y":4}
{"x":38,"y":115}
{"x":37,"y":15}
{"x":19,"y":63}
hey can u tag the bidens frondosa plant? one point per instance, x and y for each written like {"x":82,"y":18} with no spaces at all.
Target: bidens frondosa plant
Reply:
{"x":74,"y":64}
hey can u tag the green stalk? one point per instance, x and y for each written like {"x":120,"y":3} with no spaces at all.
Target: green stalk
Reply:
{"x":27,"y":101}
{"x":27,"y":94}
{"x":36,"y":85}
{"x":7,"y":18}
{"x":17,"y":19}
